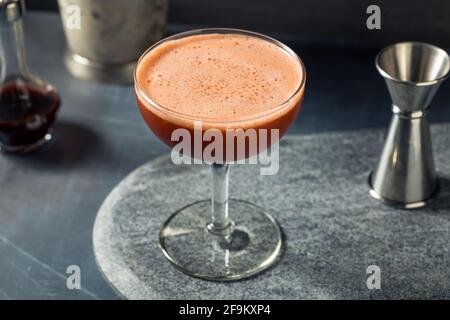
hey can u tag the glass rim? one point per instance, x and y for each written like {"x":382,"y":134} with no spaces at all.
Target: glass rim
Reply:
{"x":256,"y":116}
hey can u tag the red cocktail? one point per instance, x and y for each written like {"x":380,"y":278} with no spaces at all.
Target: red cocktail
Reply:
{"x":226,"y":80}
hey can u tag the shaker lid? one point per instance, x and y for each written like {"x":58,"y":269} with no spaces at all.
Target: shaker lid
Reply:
{"x":11,"y":10}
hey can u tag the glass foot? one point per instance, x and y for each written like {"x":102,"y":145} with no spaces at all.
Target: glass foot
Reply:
{"x":27,"y":148}
{"x":253,"y":244}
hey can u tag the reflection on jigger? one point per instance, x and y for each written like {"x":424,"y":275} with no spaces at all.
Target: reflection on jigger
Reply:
{"x":405,"y":174}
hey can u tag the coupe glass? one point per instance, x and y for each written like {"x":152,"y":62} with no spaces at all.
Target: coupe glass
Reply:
{"x":220,"y":238}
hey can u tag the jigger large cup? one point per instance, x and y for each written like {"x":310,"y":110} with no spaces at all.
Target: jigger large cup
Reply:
{"x":405,"y":174}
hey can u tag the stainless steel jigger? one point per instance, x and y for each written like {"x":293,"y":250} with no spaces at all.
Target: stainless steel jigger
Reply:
{"x":405,"y":175}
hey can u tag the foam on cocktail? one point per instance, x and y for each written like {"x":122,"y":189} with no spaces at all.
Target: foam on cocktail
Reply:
{"x":219,"y":76}
{"x":226,"y":82}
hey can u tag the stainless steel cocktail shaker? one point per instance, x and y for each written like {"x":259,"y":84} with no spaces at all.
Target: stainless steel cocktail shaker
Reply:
{"x":105,"y":38}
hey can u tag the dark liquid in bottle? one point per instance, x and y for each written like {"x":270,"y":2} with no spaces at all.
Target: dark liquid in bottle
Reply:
{"x":26,"y":114}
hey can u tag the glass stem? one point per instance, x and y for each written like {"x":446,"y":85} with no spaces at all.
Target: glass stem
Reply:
{"x":220,"y":222}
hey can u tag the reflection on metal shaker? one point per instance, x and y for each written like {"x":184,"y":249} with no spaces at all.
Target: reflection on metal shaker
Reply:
{"x":105,"y":38}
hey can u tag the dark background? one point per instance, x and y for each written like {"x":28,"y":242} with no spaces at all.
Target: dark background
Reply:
{"x":401,"y":20}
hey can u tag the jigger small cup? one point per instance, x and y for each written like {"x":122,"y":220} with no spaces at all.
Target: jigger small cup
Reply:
{"x":405,"y":176}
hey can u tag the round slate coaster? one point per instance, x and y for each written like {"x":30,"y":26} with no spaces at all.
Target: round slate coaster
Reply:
{"x":333,"y":230}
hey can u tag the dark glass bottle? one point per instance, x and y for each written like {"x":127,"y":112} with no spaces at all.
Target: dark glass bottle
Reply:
{"x":28,"y":105}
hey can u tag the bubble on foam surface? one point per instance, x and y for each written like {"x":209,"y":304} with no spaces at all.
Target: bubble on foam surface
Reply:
{"x":219,"y":76}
